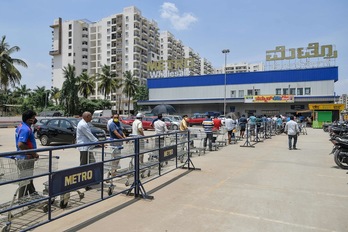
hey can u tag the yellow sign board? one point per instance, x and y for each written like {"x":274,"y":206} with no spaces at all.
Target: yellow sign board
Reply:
{"x":326,"y":106}
{"x":269,"y":99}
{"x":312,"y":51}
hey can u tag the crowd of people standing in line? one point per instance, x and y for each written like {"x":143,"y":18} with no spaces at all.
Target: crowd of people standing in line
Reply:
{"x":288,"y":125}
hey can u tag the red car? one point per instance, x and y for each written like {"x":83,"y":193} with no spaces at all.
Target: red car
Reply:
{"x":127,"y":119}
{"x":147,"y":123}
{"x":197,"y":119}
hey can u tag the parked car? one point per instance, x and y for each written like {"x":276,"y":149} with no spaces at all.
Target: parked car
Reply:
{"x":174,"y":117}
{"x":197,"y":119}
{"x":63,"y":130}
{"x":127,"y":119}
{"x":101,"y":122}
{"x":147,"y":122}
{"x":40,"y":122}
{"x":173,"y":124}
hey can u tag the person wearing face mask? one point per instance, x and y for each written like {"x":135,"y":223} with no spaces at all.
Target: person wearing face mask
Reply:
{"x":115,"y":128}
{"x":116,"y":133}
{"x":25,"y":140}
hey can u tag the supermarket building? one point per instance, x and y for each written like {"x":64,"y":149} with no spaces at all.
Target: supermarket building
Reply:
{"x":266,"y":92}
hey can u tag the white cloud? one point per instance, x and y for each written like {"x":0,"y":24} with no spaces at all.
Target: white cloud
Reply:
{"x":178,"y":21}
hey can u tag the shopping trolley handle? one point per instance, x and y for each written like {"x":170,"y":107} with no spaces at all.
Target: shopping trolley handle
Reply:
{"x":117,"y":147}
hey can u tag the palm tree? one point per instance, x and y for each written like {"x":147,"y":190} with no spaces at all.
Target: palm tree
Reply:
{"x":69,"y":93}
{"x":39,"y":97}
{"x":108,"y":81}
{"x":86,"y":84}
{"x":55,"y":94}
{"x":130,"y":84}
{"x":23,"y":91}
{"x":9,"y":74}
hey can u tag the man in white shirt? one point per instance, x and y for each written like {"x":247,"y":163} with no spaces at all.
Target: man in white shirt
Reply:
{"x":230,"y":125}
{"x":292,"y":130}
{"x":137,"y":126}
{"x":160,"y":126}
{"x":84,"y":135}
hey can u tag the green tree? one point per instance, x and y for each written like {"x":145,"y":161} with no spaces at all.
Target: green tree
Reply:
{"x":55,"y":94}
{"x":86,"y":84}
{"x":39,"y":98}
{"x":9,"y":74}
{"x":22,"y":91}
{"x":130,"y":86}
{"x":107,"y":81}
{"x":69,"y":93}
{"x":142,"y":94}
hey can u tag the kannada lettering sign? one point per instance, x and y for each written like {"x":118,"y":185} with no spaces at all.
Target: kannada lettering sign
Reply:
{"x":312,"y":51}
{"x":269,"y":99}
{"x":326,"y":106}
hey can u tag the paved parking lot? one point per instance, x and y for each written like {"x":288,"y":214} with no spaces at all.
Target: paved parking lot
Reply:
{"x":266,"y":188}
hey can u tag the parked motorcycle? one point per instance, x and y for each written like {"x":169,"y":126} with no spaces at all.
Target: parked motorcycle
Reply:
{"x":340,"y":151}
{"x":338,"y":130}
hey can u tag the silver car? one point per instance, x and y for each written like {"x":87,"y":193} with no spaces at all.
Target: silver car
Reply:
{"x":174,"y":124}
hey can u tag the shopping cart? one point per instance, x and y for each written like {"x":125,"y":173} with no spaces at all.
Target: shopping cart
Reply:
{"x":114,"y":154}
{"x":198,"y":135}
{"x":12,"y":169}
{"x":221,"y":136}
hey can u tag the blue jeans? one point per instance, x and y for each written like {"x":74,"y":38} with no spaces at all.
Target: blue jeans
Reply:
{"x":290,"y":137}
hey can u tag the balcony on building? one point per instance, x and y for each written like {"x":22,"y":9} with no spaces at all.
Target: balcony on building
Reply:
{"x":54,"y":52}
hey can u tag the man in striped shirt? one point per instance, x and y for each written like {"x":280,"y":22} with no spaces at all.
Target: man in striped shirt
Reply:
{"x":208,"y":125}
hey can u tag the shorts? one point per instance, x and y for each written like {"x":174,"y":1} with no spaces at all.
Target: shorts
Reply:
{"x":242,"y":128}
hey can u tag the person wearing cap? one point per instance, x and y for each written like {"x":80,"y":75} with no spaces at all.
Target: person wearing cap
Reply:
{"x":137,"y":127}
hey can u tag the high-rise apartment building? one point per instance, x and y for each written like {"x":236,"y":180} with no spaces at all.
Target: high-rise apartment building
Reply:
{"x":174,"y":49}
{"x":126,"y":42}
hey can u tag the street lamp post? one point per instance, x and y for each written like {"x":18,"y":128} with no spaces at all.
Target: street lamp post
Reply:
{"x":225,"y":51}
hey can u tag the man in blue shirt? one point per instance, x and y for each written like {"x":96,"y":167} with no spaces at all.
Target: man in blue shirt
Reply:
{"x":25,"y":140}
{"x":115,"y":128}
{"x":208,"y":125}
{"x":116,"y":132}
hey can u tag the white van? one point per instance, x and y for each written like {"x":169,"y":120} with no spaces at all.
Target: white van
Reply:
{"x":102,"y":113}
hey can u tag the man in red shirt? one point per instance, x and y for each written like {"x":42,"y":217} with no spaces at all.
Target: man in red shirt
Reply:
{"x":217,"y":123}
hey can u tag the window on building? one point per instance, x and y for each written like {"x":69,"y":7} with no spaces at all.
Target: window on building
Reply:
{"x":69,"y":47}
{"x":299,"y":91}
{"x":286,"y":91}
{"x":278,"y":91}
{"x":257,"y":91}
{"x":292,"y":91}
{"x":250,"y":92}
{"x":70,"y":41}
{"x":69,"y":54}
{"x":241,"y":93}
{"x":70,"y":33}
{"x":233,"y":93}
{"x":307,"y":91}
{"x":70,"y":26}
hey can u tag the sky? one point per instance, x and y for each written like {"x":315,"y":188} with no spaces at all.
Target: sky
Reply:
{"x":248,"y":28}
